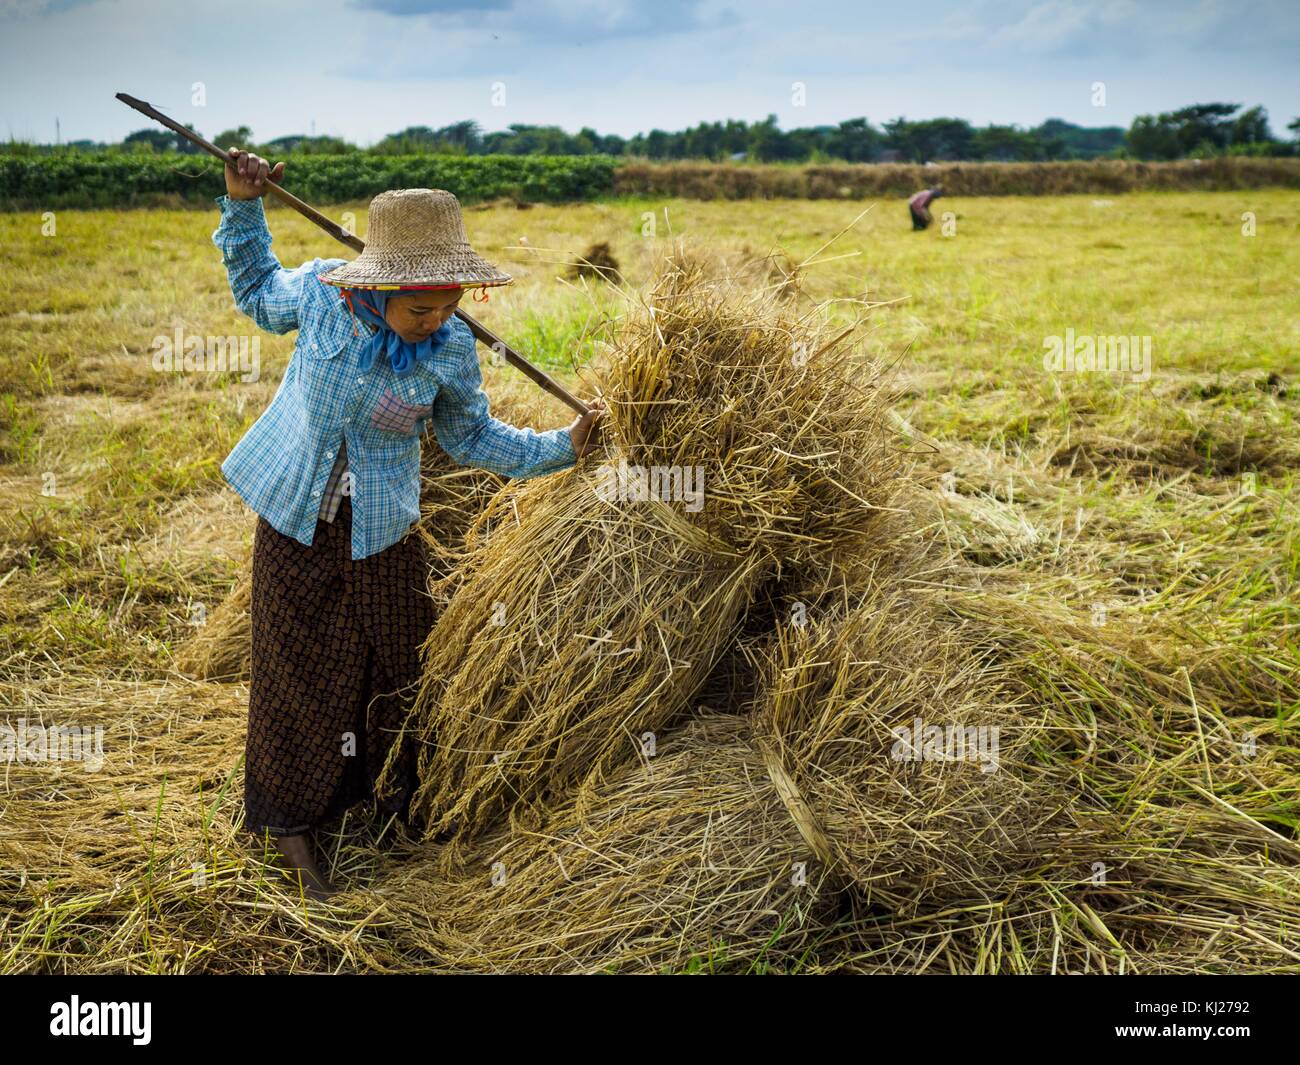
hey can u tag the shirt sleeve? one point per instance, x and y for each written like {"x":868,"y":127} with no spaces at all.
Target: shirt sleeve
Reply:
{"x":472,"y":437}
{"x":263,"y":289}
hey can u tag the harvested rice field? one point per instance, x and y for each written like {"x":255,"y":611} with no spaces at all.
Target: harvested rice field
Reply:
{"x":929,"y":605}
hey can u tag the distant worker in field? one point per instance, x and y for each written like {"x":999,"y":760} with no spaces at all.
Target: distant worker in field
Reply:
{"x":918,"y":204}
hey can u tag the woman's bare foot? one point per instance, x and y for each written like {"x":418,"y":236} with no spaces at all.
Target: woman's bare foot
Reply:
{"x":297,"y":857}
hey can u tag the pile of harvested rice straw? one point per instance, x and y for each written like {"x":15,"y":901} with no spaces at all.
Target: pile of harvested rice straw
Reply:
{"x":586,"y":616}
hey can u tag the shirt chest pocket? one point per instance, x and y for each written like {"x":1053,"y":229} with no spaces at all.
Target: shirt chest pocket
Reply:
{"x":324,"y":346}
{"x":393,"y":414}
{"x":317,"y":365}
{"x":323,"y":337}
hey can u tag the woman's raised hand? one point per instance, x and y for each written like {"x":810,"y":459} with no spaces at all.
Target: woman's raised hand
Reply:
{"x":249,"y":178}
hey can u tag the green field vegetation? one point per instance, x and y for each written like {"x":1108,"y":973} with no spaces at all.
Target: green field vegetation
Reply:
{"x":119,"y":179}
{"x":72,"y":178}
{"x":1135,"y":540}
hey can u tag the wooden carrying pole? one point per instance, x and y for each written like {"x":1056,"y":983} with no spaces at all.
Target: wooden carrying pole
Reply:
{"x":481,"y":333}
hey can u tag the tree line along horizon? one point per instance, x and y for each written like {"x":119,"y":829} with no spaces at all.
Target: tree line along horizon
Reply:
{"x":1196,"y":131}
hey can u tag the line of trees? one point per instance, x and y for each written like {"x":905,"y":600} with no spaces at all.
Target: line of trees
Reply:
{"x":855,"y":140}
{"x":1207,"y":130}
{"x":1197,"y":131}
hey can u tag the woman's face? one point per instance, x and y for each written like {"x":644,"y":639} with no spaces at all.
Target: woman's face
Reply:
{"x":417,"y":316}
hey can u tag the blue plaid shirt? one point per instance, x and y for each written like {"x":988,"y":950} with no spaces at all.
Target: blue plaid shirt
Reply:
{"x":282,"y":464}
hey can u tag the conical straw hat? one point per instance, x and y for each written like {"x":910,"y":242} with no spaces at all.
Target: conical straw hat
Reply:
{"x":416,"y":237}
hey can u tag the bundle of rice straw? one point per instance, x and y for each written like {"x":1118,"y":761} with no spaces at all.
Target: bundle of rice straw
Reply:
{"x":919,"y":773}
{"x":221,"y":650}
{"x":590,"y":607}
{"x":597,"y":261}
{"x":689,"y":859}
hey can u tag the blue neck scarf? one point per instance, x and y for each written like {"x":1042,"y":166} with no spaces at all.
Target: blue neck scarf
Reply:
{"x":401,"y":353}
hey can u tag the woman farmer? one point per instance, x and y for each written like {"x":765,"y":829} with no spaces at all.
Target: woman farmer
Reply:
{"x":340,"y":605}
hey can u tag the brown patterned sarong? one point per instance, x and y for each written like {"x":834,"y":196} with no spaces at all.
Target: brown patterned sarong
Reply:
{"x":336,"y":660}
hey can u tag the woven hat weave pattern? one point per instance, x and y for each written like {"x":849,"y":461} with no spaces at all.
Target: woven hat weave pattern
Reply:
{"x":416,"y":238}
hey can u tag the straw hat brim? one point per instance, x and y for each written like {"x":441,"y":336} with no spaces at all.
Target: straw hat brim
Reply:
{"x":464,"y":267}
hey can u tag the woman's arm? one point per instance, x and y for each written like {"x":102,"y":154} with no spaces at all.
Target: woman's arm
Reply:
{"x":263,"y":289}
{"x":472,"y":437}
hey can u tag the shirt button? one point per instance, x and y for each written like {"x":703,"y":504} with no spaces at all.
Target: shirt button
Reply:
{"x":360,"y":380}
{"x":315,"y":495}
{"x":329,"y":454}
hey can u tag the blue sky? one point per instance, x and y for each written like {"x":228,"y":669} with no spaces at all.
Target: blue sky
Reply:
{"x":362,"y":68}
